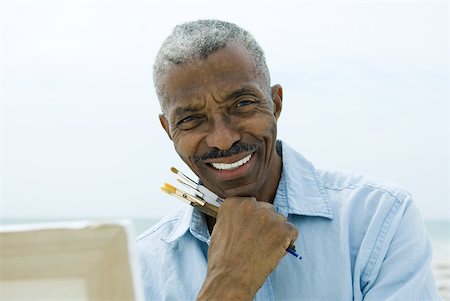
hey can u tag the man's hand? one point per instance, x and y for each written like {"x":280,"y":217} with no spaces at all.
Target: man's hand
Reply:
{"x":248,"y":241}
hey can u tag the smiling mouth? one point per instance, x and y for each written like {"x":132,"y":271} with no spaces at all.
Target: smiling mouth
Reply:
{"x":231,"y":166}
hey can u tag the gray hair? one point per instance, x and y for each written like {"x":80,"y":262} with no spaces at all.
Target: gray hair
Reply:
{"x":192,"y":41}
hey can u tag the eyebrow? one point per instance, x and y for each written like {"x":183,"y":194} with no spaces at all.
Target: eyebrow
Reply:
{"x":240,"y":92}
{"x":186,"y":109}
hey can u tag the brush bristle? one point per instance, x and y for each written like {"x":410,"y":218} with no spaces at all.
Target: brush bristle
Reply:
{"x":165,"y":190}
{"x":169,"y":188}
{"x":174,"y":170}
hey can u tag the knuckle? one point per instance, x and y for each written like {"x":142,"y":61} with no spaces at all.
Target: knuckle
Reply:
{"x":251,"y":199}
{"x":265,"y":218}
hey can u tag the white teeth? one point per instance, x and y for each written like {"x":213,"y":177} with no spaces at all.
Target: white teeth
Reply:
{"x":225,"y":166}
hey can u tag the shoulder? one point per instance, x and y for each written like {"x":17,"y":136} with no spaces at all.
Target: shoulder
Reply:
{"x":357,"y":198}
{"x":363,"y":193}
{"x":157,"y":240}
{"x":382,"y":220}
{"x":162,"y":228}
{"x":371,"y":209}
{"x":341,"y":188}
{"x":346,"y":181}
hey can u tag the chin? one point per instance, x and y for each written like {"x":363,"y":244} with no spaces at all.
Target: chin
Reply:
{"x":242,"y":191}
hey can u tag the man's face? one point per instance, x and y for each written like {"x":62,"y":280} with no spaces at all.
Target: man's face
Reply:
{"x":222,"y":119}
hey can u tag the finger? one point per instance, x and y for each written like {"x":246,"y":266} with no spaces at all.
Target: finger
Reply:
{"x":281,"y":217}
{"x":293,"y":232}
{"x":290,"y":234}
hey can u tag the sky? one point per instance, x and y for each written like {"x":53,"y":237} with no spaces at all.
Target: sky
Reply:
{"x":365,"y":84}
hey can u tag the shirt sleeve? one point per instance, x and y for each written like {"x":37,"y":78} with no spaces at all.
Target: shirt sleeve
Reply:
{"x":402,"y":270}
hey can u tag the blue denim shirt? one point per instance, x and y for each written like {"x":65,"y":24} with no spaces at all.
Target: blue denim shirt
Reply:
{"x":360,"y":239}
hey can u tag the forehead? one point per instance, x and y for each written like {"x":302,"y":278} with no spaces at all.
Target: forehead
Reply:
{"x":223,"y":73}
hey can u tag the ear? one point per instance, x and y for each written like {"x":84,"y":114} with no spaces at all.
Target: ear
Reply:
{"x":277,"y":97}
{"x":165,"y":124}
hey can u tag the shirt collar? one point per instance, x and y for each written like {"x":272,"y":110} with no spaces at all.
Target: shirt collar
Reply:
{"x":299,"y":192}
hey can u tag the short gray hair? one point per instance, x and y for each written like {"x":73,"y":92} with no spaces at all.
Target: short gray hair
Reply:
{"x":195,"y":40}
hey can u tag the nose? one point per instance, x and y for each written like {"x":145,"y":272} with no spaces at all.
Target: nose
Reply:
{"x":221,"y":134}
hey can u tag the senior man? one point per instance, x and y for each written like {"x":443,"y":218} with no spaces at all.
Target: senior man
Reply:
{"x":360,"y":239}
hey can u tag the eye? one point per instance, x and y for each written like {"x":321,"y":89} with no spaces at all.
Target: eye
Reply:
{"x":244,"y":103}
{"x":189,"y":122}
{"x":186,"y":119}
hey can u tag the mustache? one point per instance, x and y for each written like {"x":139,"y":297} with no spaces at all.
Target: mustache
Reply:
{"x":236,"y":148}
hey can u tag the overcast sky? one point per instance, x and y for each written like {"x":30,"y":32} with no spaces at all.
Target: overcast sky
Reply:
{"x":366,"y":89}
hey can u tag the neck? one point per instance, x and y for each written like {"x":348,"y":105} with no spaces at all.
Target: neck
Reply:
{"x":269,"y":189}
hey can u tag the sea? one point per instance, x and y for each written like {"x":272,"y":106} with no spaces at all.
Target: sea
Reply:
{"x":439,"y":230}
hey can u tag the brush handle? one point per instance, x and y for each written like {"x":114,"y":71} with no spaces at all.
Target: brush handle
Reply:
{"x":207,"y":209}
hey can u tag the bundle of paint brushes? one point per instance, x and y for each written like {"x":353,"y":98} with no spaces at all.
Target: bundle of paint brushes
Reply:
{"x":201,"y":198}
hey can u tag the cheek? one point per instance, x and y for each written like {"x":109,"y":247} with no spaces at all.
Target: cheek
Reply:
{"x":261,"y":126}
{"x":186,"y":146}
{"x":180,"y":145}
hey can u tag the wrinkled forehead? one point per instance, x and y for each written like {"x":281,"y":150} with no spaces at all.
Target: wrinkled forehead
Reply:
{"x":222,"y":72}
